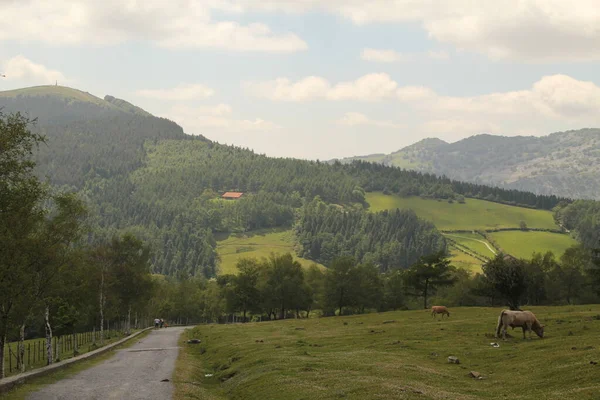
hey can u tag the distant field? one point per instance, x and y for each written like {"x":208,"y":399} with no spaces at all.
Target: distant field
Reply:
{"x":473,"y":215}
{"x":473,"y":241}
{"x":363,"y":357}
{"x":255,"y":245}
{"x":464,"y":261}
{"x":523,"y":244}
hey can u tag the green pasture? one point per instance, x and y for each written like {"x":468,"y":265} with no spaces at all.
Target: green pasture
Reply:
{"x":258,"y":244}
{"x":472,"y":215}
{"x":394,"y":355}
{"x":523,"y":244}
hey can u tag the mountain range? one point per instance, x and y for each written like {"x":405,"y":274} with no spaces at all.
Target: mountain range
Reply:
{"x":566,"y":164}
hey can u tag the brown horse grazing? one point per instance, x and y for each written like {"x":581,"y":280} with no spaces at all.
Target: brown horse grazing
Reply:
{"x":440,"y":310}
{"x":515,"y":319}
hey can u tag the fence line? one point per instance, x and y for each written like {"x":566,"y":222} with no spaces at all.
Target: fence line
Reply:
{"x":35,"y":349}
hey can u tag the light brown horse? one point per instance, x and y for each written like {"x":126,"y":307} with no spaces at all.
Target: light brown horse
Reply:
{"x":440,"y":310}
{"x":516,"y":319}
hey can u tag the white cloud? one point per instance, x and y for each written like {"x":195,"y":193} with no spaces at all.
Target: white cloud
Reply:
{"x":369,"y":87}
{"x":438,"y":55}
{"x":181,"y":92}
{"x":554,"y":96}
{"x":22,"y":69}
{"x":382,"y":56}
{"x":176,"y":24}
{"x":415,"y":93}
{"x":458,"y":127}
{"x":528,"y":30}
{"x":357,"y":119}
{"x":219,"y":109}
{"x":392,"y":56}
{"x":207,"y":120}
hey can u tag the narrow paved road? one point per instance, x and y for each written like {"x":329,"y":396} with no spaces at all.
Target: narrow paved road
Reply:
{"x":133,"y":373}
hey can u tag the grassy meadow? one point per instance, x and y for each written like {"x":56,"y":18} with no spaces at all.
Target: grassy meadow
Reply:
{"x":473,"y":215}
{"x":394,"y":355}
{"x":523,"y":244}
{"x":257,"y":245}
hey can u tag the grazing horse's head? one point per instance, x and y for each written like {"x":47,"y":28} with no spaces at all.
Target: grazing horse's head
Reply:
{"x":539,"y":330}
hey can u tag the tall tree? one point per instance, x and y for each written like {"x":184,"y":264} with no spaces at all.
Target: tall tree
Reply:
{"x":245,"y":292}
{"x":131,"y":271}
{"x":21,"y":213}
{"x":508,"y":277}
{"x":429,"y":273}
{"x":341,"y":284}
{"x":286,"y":283}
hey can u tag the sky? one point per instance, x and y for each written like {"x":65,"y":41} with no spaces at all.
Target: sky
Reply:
{"x":320,"y":79}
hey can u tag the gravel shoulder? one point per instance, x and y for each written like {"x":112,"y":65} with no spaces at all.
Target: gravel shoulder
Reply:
{"x":137,"y":372}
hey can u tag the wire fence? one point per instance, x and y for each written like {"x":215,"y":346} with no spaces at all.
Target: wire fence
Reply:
{"x":64,"y":346}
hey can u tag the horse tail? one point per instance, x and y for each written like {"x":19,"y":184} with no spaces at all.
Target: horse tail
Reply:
{"x":499,"y":327}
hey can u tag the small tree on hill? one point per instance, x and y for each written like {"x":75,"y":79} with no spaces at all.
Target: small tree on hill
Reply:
{"x":429,"y":273}
{"x":523,"y":225}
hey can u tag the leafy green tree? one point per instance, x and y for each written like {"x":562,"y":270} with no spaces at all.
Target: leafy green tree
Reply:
{"x":130,"y":267}
{"x":315,"y":280}
{"x":370,"y":287}
{"x":285,"y":283}
{"x":393,"y":290}
{"x":341,"y":284}
{"x":245,"y":295}
{"x":566,"y":280}
{"x":429,"y":273}
{"x":21,"y":215}
{"x":508,"y":277}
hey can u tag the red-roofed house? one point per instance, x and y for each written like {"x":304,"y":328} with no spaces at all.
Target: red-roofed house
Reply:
{"x":232,"y":195}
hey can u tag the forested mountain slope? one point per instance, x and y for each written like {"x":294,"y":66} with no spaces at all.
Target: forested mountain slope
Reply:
{"x":564,"y":163}
{"x":143,"y":174}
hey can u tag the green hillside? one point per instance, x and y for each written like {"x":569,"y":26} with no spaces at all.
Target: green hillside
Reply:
{"x":259,"y":244}
{"x":394,"y":355}
{"x":142,"y":173}
{"x":472,"y":215}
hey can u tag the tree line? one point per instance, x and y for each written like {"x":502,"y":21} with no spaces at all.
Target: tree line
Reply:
{"x":278,"y":287}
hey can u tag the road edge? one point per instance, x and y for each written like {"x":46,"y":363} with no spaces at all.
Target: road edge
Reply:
{"x":9,"y":383}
